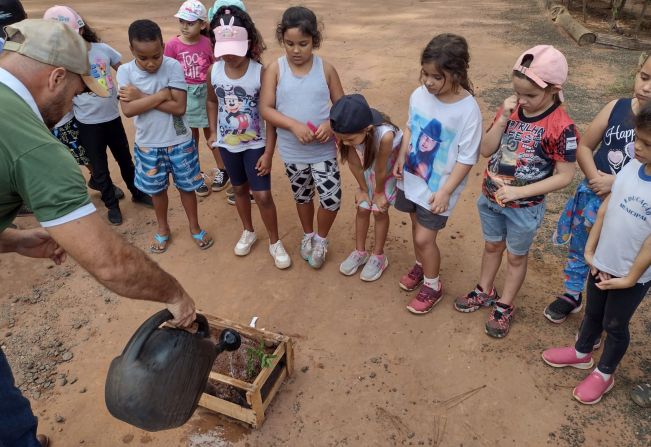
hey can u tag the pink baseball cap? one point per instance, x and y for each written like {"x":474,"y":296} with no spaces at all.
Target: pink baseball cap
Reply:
{"x":65,"y":15}
{"x":230,"y":37}
{"x":548,"y":67}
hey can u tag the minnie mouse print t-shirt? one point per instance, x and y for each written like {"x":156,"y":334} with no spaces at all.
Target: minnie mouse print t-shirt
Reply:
{"x":442,"y":135}
{"x":529,"y":150}
{"x":239,"y":126}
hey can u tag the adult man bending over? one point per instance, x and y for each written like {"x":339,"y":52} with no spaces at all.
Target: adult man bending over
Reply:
{"x":41,"y":69}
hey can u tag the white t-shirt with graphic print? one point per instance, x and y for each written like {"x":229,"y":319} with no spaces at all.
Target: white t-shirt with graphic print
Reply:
{"x":442,"y":134}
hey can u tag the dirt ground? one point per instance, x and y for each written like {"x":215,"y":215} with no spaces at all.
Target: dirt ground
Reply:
{"x":367,"y":371}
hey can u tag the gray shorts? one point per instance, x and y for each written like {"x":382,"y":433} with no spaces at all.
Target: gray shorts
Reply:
{"x":424,"y":217}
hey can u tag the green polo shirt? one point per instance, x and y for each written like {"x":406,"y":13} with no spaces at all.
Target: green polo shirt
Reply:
{"x":35,"y":167}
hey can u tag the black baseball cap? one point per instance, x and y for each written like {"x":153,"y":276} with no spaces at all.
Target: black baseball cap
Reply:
{"x":11,"y":11}
{"x":351,"y":114}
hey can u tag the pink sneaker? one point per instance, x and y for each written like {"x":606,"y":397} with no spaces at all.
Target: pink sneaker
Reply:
{"x":592,"y":388}
{"x":425,"y":300}
{"x":560,"y":357}
{"x":412,"y":279}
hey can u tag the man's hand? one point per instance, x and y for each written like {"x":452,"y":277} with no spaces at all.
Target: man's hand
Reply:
{"x":37,"y":243}
{"x":184,"y":311}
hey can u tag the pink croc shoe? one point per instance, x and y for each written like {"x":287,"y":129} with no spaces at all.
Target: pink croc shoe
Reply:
{"x":592,"y":388}
{"x":560,"y":357}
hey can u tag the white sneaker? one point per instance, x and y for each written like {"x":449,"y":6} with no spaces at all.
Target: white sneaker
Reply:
{"x":243,"y":246}
{"x":278,"y":252}
{"x":319,"y":250}
{"x":306,"y":246}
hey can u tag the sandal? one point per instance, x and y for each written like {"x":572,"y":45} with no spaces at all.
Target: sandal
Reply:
{"x":162,"y":242}
{"x":200,"y":240}
{"x":641,"y":395}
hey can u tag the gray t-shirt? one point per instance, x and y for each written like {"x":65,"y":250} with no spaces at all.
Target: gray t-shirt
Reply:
{"x":155,"y":128}
{"x":88,"y":107}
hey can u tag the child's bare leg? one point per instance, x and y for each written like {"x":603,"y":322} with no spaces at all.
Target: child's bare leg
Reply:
{"x":324,"y":220}
{"x":218,"y":158}
{"x":160,"y":201}
{"x":381,"y":231}
{"x":362,"y":222}
{"x":195,"y":136}
{"x":490,"y":264}
{"x":419,"y":257}
{"x":243,"y":205}
{"x":306,"y":216}
{"x":189,"y":202}
{"x":425,"y":240}
{"x":516,"y":271}
{"x":267,"y":208}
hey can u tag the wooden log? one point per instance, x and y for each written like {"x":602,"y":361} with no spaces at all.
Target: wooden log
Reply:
{"x":627,"y":43}
{"x":580,"y":33}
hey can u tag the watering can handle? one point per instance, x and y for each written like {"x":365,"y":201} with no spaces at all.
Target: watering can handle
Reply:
{"x":133,"y":348}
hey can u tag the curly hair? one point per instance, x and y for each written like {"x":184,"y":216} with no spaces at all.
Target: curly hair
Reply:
{"x":145,"y":30}
{"x":305,"y":20}
{"x":256,"y":43}
{"x":449,"y":52}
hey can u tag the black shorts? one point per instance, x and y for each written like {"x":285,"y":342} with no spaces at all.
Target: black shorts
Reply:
{"x":424,"y":217}
{"x":240,"y":167}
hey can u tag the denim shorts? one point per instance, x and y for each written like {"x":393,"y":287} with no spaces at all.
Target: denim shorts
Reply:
{"x":518,"y":226}
{"x":240,"y":167}
{"x":424,"y":217}
{"x":155,"y":164}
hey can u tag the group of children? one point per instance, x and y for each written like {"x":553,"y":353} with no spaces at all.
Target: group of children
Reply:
{"x":211,"y":77}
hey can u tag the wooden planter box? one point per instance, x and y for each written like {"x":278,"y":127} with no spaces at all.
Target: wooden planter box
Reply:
{"x":261,"y":392}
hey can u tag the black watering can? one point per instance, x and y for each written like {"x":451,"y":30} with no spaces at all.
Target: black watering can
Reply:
{"x":157,"y":381}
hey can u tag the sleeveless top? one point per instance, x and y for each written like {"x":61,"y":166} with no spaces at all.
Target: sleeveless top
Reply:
{"x":304,"y":99}
{"x":239,"y":126}
{"x":618,"y":141}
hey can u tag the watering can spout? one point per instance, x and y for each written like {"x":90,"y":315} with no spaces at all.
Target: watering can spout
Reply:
{"x":229,"y":340}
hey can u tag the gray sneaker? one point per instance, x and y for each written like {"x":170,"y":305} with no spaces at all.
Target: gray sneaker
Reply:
{"x":306,"y":247}
{"x":354,"y":261}
{"x":374,"y":268}
{"x":319,"y":250}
